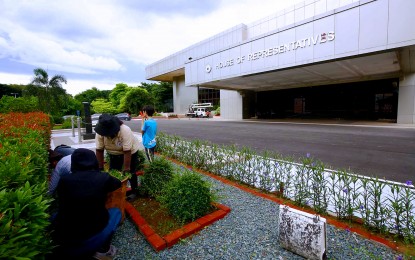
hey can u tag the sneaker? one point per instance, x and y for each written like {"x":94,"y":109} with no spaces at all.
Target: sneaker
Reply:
{"x":108,"y":255}
{"x":131,"y":197}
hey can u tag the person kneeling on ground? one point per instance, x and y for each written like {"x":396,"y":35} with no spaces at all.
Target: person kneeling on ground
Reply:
{"x":60,"y":161}
{"x":83,"y":226}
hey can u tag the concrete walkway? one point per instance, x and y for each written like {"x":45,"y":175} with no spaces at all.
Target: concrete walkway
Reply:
{"x":66,"y":137}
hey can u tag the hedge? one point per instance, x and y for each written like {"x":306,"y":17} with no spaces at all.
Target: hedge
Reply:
{"x":24,"y":144}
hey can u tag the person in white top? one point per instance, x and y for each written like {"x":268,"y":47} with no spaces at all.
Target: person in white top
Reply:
{"x":121,"y":145}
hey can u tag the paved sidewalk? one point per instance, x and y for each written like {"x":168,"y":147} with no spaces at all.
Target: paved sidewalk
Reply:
{"x":65,"y":136}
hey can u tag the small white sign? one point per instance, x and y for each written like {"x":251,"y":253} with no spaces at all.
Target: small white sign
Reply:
{"x":302,"y":233}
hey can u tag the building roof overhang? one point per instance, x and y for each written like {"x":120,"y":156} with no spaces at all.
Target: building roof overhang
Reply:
{"x":361,"y":68}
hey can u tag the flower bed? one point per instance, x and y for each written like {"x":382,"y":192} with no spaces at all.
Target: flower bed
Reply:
{"x":387,"y":207}
{"x":162,"y":242}
{"x":185,"y":200}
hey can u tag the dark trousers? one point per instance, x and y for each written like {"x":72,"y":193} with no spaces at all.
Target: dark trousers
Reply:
{"x":150,"y":153}
{"x":116,"y":163}
{"x":86,"y":248}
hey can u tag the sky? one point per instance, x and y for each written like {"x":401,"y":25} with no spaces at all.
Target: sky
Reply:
{"x":99,"y":43}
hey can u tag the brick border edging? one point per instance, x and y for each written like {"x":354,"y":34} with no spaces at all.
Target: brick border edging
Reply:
{"x":158,"y":242}
{"x":330,"y":219}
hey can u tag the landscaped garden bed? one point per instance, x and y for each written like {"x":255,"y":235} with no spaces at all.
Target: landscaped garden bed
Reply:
{"x":382,"y":208}
{"x":174,"y":203}
{"x":162,"y":230}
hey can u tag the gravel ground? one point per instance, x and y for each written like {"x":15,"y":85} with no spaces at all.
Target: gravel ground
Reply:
{"x":249,"y":231}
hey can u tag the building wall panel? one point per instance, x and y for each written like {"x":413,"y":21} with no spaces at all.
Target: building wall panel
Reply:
{"x":373,"y":25}
{"x":401,"y":21}
{"x":347,"y":32}
{"x":326,"y":50}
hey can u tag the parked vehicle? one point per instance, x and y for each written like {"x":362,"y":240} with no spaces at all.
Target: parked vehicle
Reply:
{"x":94,"y":119}
{"x":199,"y":110}
{"x":67,"y":117}
{"x":124,"y":116}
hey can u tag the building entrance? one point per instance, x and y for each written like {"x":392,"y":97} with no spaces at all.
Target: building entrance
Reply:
{"x":369,"y":100}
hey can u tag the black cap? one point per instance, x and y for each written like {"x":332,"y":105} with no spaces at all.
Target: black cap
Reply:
{"x":108,"y":125}
{"x":84,"y":159}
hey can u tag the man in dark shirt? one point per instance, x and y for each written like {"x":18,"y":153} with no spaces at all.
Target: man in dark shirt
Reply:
{"x":83,"y":226}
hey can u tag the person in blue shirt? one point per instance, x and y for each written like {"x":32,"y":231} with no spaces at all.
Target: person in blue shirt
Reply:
{"x":62,"y":168}
{"x":149,"y":131}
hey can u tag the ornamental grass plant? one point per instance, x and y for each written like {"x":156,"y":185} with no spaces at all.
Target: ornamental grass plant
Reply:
{"x":382,"y":206}
{"x":156,"y":176}
{"x":141,"y":159}
{"x":187,"y":196}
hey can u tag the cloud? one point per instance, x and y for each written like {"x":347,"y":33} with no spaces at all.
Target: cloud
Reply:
{"x":11,"y":78}
{"x":59,"y":54}
{"x":96,"y":38}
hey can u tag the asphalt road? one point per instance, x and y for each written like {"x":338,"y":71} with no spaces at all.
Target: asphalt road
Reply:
{"x":378,"y":151}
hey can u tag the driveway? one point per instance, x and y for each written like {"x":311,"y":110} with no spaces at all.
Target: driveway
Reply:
{"x":386,"y":151}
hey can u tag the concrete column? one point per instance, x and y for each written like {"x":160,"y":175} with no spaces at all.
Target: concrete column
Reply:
{"x":230,"y":104}
{"x":183,"y":96}
{"x":176,"y":104}
{"x":406,"y":102}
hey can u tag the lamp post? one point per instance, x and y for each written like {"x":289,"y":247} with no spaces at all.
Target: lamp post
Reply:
{"x":14,"y":94}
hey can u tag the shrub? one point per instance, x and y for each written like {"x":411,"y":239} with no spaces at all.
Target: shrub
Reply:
{"x":187,"y":196}
{"x":24,"y":140}
{"x":217,"y":111}
{"x":20,"y":104}
{"x":172,"y":116}
{"x":67,"y":123}
{"x":58,"y":120}
{"x":141,"y":160}
{"x":22,"y":163}
{"x":24,"y":220}
{"x":119,"y":174}
{"x":156,"y":175}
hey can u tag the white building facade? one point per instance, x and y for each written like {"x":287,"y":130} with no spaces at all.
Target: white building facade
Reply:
{"x":298,"y":56}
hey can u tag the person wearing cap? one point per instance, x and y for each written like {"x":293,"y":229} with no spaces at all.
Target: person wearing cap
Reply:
{"x":83,"y":226}
{"x":60,"y":159}
{"x":64,"y":149}
{"x":121,"y":145}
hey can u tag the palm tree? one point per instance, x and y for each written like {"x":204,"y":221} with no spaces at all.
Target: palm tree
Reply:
{"x":52,"y":97}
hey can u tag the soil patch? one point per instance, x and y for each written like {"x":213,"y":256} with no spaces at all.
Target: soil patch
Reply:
{"x":158,"y":217}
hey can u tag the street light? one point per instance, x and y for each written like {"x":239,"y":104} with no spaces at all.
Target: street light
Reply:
{"x":15,"y":94}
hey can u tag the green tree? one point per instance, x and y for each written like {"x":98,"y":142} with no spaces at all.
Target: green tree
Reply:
{"x":72,"y":107}
{"x":162,"y":95}
{"x":20,"y":104}
{"x":118,"y":93}
{"x":52,"y":98}
{"x":101,"y":105}
{"x":11,"y":90}
{"x":92,"y":94}
{"x":135,"y":99}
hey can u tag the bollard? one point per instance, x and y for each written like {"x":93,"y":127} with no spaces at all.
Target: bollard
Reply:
{"x":73,"y":126}
{"x":78,"y":122}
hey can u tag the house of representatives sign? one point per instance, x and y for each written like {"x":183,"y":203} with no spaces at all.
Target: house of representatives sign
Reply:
{"x":275,"y":50}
